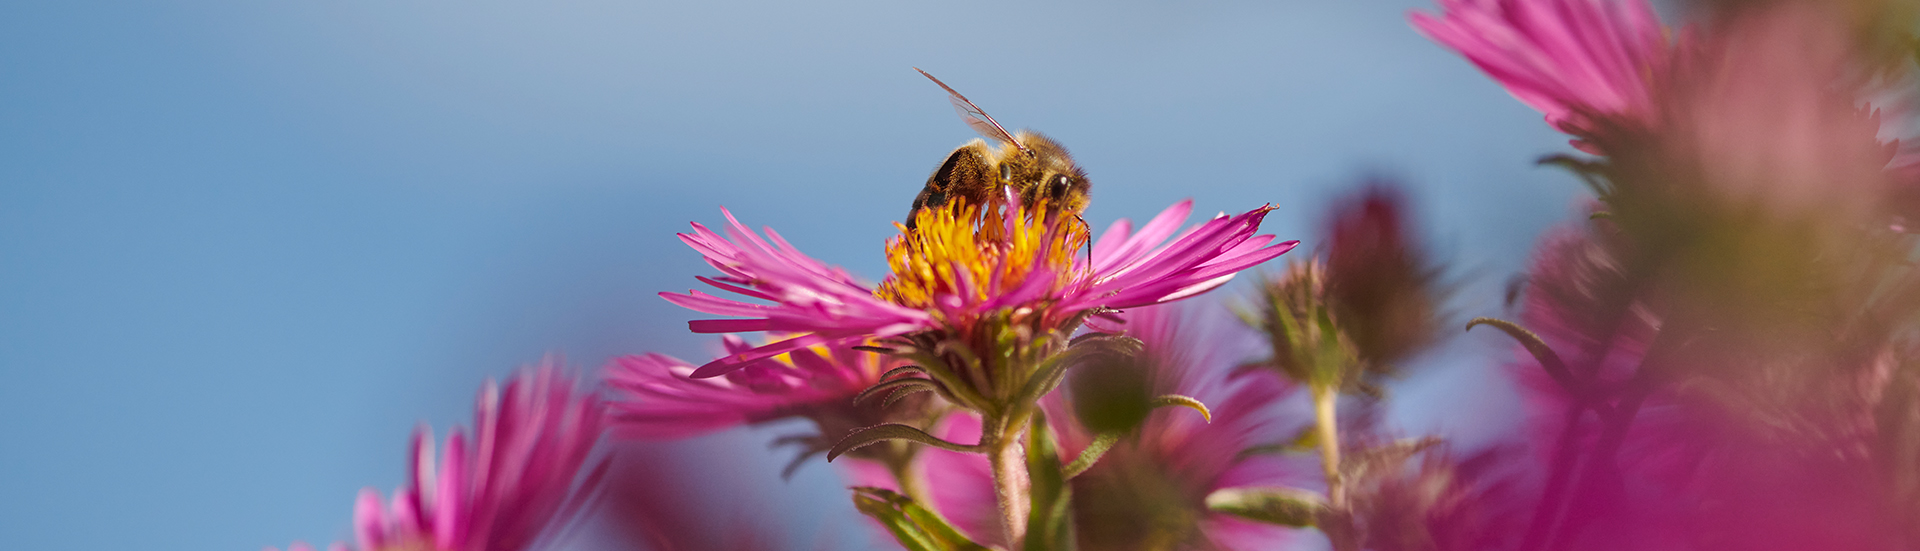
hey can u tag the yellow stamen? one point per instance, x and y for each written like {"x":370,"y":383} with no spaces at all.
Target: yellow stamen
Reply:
{"x":958,"y":250}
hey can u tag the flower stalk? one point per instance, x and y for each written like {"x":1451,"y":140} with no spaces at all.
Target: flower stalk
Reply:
{"x":1010,"y":481}
{"x":1327,"y":432}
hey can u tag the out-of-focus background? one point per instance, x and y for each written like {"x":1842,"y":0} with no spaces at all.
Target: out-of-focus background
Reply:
{"x":247,"y":247}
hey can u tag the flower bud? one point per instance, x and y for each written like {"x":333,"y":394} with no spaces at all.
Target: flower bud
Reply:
{"x":1377,"y":279}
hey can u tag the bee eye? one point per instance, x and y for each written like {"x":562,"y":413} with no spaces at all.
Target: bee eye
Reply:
{"x":1006,"y":172}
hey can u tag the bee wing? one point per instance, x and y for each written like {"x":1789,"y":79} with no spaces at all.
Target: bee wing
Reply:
{"x":976,"y":118}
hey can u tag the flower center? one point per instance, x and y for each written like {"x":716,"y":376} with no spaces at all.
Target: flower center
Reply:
{"x":958,"y":257}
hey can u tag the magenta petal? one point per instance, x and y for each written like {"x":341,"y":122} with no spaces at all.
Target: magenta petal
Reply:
{"x":731,"y":362}
{"x":1566,"y":58}
{"x":729,"y":325}
{"x":807,"y":295}
{"x":1199,"y":259}
{"x":369,"y":527}
{"x":450,"y":494}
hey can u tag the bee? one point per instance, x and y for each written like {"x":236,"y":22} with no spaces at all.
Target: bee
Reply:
{"x":1034,"y":166}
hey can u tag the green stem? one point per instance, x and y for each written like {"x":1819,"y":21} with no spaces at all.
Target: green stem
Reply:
{"x":1337,"y":526}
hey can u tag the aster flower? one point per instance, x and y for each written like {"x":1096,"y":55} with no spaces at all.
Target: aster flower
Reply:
{"x":1574,"y":60}
{"x":947,"y":274}
{"x":499,"y":491}
{"x":1149,"y":491}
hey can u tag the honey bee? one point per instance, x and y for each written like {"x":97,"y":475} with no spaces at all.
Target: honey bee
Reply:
{"x":1034,"y":166}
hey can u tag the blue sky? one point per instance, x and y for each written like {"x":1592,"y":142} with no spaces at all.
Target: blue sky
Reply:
{"x":246,"y":247}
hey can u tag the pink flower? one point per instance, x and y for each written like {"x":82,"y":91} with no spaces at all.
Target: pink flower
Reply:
{"x":499,"y":491}
{"x":944,"y":277}
{"x":1574,"y":60}
{"x":1154,"y":484}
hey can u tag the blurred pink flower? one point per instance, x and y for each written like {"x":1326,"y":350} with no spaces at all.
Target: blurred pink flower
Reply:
{"x":655,"y":398}
{"x":499,"y":491}
{"x":1574,"y":60}
{"x":663,"y":499}
{"x":1581,"y":300}
{"x":1741,"y":442}
{"x":825,"y":306}
{"x":1160,"y":477}
{"x":1770,"y":111}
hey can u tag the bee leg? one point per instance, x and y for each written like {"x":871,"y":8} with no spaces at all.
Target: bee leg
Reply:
{"x":1088,"y":228}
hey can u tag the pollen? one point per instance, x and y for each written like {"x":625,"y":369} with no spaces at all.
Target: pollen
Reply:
{"x":960,"y":257}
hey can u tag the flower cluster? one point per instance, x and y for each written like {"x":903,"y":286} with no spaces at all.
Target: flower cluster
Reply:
{"x":1723,"y":315}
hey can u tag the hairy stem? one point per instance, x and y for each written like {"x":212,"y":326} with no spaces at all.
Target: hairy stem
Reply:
{"x":1010,"y":484}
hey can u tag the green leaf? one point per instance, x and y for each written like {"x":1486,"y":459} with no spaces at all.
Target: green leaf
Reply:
{"x":917,"y":528}
{"x":1282,"y":506}
{"x":903,"y":529}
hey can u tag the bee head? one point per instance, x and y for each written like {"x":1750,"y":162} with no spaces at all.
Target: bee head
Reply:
{"x":1045,"y":171}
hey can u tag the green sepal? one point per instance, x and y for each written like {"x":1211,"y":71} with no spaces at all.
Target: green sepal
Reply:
{"x":1050,"y":517}
{"x":1283,"y":506}
{"x":916,"y":528}
{"x":893,"y":431}
{"x":1308,"y":439}
{"x":1549,"y":361}
{"x":1593,"y":173}
{"x":889,"y":388}
{"x":1091,"y":454}
{"x":1165,"y":400}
